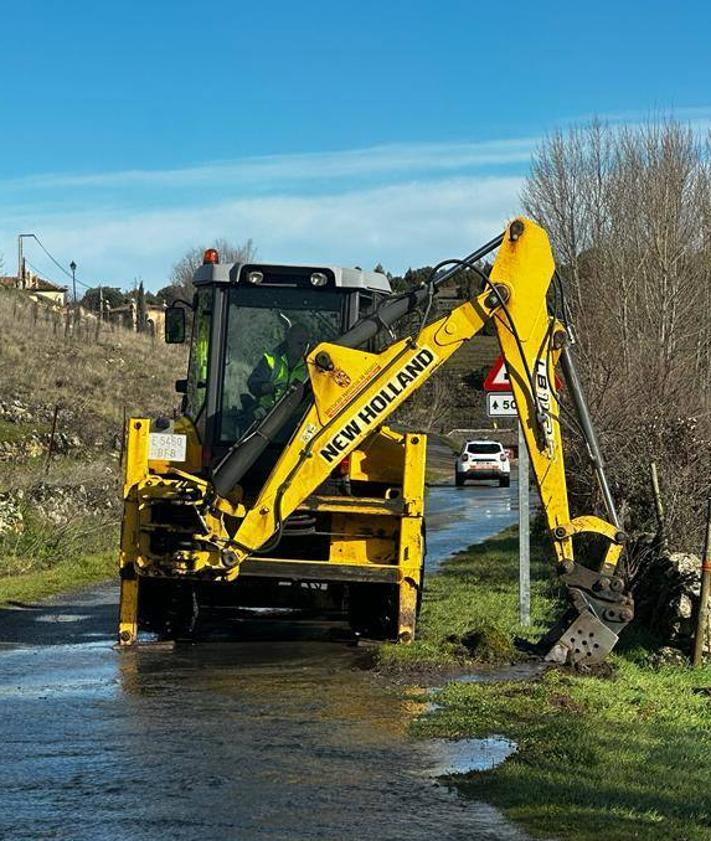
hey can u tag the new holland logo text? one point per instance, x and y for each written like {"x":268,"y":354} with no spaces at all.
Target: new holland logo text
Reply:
{"x":400,"y":382}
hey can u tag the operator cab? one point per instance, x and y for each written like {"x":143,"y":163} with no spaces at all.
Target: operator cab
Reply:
{"x":246,"y":319}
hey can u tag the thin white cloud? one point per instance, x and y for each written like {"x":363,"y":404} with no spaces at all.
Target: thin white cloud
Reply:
{"x":400,"y":204}
{"x":399,"y":225}
{"x":394,"y":159}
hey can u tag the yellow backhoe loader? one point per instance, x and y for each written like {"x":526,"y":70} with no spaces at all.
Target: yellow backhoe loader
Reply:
{"x":281,"y":485}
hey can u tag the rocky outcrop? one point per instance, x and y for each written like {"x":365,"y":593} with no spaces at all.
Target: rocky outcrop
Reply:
{"x":56,"y":504}
{"x":60,"y":503}
{"x":11,"y":517}
{"x":25,"y":431}
{"x":667,"y":590}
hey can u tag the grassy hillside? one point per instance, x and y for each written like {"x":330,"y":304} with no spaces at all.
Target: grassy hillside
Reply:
{"x":61,"y":514}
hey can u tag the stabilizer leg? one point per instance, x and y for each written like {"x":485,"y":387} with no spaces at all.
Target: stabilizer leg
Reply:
{"x":407,"y":610}
{"x":128,"y":608}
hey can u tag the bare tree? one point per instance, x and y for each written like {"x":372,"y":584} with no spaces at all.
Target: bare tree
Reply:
{"x":629,"y":215}
{"x":181,"y":275}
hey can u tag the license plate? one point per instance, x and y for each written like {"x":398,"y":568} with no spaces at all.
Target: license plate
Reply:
{"x":484,"y":465}
{"x":163,"y":446}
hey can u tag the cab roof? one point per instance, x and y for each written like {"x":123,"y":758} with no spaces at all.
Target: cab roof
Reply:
{"x":288,"y":274}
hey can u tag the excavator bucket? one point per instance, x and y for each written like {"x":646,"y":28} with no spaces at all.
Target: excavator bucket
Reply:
{"x":600,"y":608}
{"x":585,"y":640}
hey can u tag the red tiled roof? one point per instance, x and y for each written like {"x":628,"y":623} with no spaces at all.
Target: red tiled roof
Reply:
{"x":42,"y":285}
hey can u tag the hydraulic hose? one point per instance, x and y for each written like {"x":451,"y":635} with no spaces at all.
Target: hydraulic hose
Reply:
{"x":570,"y":372}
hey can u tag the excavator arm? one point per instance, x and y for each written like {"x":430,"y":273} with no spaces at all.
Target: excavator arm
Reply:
{"x":355,"y":391}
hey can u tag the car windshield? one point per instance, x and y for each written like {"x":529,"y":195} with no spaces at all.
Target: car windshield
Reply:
{"x":484,"y":449}
{"x":268,"y":332}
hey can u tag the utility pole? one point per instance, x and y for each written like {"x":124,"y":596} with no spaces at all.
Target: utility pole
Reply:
{"x":21,"y":272}
{"x":73,"y":267}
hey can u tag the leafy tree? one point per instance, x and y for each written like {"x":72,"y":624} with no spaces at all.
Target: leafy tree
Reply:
{"x":113,"y":296}
{"x":411,"y":279}
{"x":379,"y":268}
{"x":141,"y":308}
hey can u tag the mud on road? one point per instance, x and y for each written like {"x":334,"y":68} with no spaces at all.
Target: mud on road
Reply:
{"x":278,"y":735}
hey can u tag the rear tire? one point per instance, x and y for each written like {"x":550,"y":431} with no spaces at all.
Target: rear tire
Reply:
{"x":373,"y":610}
{"x":504,"y":481}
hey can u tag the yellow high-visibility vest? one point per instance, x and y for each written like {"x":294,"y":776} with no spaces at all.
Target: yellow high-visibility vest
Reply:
{"x":282,"y":376}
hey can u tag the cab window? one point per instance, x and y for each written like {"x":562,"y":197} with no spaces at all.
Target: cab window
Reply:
{"x":199,"y":354}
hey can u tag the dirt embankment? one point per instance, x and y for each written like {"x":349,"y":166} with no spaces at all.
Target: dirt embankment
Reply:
{"x":62,"y":403}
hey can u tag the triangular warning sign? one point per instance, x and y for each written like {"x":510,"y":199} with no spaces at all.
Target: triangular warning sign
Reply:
{"x":498,"y":378}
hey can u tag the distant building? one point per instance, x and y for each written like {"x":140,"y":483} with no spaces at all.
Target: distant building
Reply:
{"x":156,"y":318}
{"x":37,"y":288}
{"x":126,"y":316}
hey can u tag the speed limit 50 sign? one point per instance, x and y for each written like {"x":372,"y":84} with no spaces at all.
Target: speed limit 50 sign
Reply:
{"x":500,"y":404}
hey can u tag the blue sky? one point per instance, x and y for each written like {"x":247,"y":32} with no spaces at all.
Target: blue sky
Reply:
{"x":349,"y":133}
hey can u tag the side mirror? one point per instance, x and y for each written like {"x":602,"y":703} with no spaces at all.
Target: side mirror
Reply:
{"x":174,"y":325}
{"x":181,"y":386}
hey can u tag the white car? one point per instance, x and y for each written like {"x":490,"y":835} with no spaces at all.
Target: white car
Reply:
{"x":483,"y":460}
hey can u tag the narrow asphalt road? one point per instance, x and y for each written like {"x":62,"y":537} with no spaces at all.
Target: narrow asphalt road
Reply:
{"x":280,"y":736}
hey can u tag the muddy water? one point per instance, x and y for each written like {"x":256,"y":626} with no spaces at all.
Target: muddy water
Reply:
{"x":283,"y":737}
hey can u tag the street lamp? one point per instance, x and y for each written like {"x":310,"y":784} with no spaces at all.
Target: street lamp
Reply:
{"x":73,"y":267}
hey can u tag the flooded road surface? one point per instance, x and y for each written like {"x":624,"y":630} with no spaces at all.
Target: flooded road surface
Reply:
{"x":459,"y":517}
{"x":282,"y":738}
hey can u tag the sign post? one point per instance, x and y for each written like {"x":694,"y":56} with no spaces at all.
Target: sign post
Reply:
{"x":500,"y":403}
{"x":524,"y":533}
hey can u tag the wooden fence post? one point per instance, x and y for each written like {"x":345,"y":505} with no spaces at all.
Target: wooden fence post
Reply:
{"x":702,"y":617}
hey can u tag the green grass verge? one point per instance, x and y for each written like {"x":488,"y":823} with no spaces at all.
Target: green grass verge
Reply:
{"x":623,"y":756}
{"x":46,"y":558}
{"x":475,"y":594}
{"x":620,"y":758}
{"x":62,"y":577}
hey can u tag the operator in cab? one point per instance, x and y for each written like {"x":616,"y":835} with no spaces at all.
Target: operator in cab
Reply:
{"x":278,"y":369}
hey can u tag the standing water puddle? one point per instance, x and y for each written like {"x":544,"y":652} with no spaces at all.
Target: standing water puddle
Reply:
{"x":466,"y":755}
{"x":463,"y":756}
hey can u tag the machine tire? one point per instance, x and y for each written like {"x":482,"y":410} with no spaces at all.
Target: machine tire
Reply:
{"x":504,"y":481}
{"x":372,"y":610}
{"x":458,"y":479}
{"x":167,"y":608}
